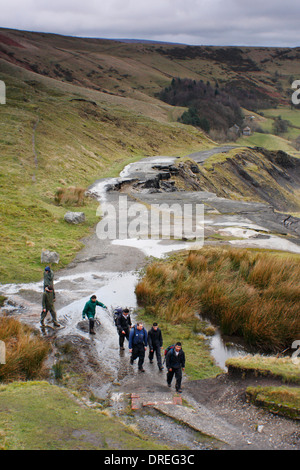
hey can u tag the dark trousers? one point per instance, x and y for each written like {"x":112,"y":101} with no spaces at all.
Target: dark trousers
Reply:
{"x":138,"y":351}
{"x":122,"y":337}
{"x":91,"y":324}
{"x":178,"y":376}
{"x":52,"y":313}
{"x":156,"y":350}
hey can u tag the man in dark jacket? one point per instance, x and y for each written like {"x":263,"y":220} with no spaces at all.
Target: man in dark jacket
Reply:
{"x":155,"y":343}
{"x":138,"y":344}
{"x":175,"y":362}
{"x":123,"y":326}
{"x":48,"y":306}
{"x":90,"y":311}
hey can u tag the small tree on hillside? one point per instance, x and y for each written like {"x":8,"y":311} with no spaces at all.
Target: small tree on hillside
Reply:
{"x":280,"y":126}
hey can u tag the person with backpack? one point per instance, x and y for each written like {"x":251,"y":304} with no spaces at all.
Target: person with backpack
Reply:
{"x":138,"y":344}
{"x":90,"y":311}
{"x":123,"y":326}
{"x":116,"y":313}
{"x":175,"y":362}
{"x":155,"y":343}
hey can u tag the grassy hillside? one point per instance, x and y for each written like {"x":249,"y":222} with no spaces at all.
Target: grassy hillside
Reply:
{"x":80,"y":109}
{"x":58,"y":134}
{"x":246,"y":174}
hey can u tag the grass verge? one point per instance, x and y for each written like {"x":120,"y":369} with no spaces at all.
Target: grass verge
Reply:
{"x":199,"y":362}
{"x":40,"y":416}
{"x":281,"y":368}
{"x":284,"y":401}
{"x":30,"y":227}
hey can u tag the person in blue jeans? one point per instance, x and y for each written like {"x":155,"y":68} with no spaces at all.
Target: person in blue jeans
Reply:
{"x":138,"y":344}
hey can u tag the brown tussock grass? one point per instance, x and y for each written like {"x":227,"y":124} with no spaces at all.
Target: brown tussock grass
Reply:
{"x":72,"y":195}
{"x":251,"y":294}
{"x":25,"y":351}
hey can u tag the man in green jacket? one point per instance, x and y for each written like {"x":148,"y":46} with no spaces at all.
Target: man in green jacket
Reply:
{"x":48,"y":306}
{"x":48,"y":279}
{"x":90,"y":310}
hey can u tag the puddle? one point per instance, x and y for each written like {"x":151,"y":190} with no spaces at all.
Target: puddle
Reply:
{"x":115,"y":289}
{"x":224,"y":347}
{"x":252,"y":235}
{"x":232,"y":221}
{"x":272,"y":243}
{"x":221,"y":350}
{"x":156,"y":248}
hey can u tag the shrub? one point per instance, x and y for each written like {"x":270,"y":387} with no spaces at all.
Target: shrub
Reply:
{"x":71,"y":196}
{"x":25,"y":351}
{"x":254,"y":295}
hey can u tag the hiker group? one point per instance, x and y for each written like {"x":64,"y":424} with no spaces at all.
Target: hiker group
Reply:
{"x":138,"y":340}
{"x":137,"y":336}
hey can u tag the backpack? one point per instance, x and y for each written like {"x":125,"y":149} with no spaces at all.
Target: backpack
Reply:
{"x":135,"y":330}
{"x":117,"y":312}
{"x":169,"y":348}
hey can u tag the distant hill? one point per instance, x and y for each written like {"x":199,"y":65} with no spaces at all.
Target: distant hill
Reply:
{"x":146,"y":66}
{"x":145,"y":41}
{"x":257,"y":78}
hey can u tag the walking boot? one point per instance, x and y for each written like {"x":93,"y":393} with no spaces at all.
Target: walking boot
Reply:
{"x":55,"y":322}
{"x":43,"y":316}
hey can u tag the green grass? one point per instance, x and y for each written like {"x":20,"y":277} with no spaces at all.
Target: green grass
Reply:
{"x":268,"y":141}
{"x":199,"y":362}
{"x":286,"y":113}
{"x":279,"y":400}
{"x":40,"y":416}
{"x":281,"y":368}
{"x":29,"y":227}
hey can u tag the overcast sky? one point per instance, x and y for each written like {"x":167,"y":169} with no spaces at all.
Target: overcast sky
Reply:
{"x":209,"y":22}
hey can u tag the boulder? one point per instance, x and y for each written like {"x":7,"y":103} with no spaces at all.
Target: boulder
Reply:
{"x":74,"y":217}
{"x":195,"y":169}
{"x":49,"y":257}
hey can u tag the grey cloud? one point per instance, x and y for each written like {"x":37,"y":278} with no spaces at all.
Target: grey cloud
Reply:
{"x":258,"y":22}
